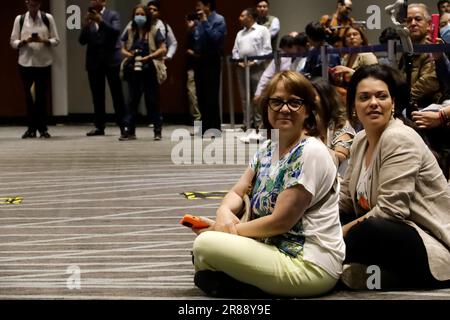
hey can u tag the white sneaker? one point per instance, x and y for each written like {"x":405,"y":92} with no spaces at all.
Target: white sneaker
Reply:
{"x":252,"y":137}
{"x":256,"y":137}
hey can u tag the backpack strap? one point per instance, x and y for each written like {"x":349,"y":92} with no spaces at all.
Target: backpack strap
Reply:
{"x":21,"y":22}
{"x":167,"y":30}
{"x":44,"y":18}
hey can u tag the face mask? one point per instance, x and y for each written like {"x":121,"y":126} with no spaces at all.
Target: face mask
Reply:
{"x":140,"y":20}
{"x":445,"y":33}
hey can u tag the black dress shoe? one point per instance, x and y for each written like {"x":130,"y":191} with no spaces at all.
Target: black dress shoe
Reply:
{"x":45,"y":135}
{"x":96,"y":132}
{"x":220,"y":285}
{"x":29,"y":134}
{"x":127,"y":137}
{"x":158,"y":134}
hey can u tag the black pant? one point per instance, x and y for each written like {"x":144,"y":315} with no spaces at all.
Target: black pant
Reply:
{"x":145,"y":82}
{"x":97,"y":85}
{"x":394,"y":247}
{"x":440,"y":145}
{"x":36,"y":110}
{"x":207,"y":82}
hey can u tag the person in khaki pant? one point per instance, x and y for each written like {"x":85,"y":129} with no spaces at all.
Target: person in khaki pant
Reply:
{"x":190,"y":84}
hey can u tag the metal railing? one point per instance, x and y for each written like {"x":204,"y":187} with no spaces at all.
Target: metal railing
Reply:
{"x":391,"y":48}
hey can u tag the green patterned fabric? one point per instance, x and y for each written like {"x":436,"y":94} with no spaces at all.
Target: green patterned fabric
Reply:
{"x":272,"y":177}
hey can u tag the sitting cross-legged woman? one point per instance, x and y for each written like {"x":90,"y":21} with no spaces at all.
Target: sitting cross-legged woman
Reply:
{"x":293,"y":245}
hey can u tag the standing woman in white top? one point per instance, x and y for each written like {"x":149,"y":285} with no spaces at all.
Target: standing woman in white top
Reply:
{"x":292,"y":246}
{"x":34,"y":34}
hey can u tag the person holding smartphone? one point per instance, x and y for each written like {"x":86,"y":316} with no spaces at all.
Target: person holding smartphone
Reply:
{"x":100,"y":33}
{"x":34,"y":34}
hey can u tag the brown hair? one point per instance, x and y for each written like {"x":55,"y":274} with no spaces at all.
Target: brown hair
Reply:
{"x":296,"y":84}
{"x":365,"y":40}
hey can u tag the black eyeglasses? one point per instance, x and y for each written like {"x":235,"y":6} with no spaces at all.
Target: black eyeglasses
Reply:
{"x":293,"y":104}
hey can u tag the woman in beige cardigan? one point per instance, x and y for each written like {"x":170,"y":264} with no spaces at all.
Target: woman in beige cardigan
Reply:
{"x":353,"y":37}
{"x":394,"y":201}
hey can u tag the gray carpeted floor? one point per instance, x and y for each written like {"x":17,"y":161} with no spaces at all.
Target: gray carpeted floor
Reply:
{"x":99,"y":218}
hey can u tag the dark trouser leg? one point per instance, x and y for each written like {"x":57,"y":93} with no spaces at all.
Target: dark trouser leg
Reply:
{"x":151,"y":95}
{"x":28,"y":80}
{"x":394,"y":247}
{"x":41,"y":83}
{"x":135,"y":88}
{"x":207,"y":80}
{"x":97,"y":85}
{"x":213,"y":78}
{"x":115,"y":86}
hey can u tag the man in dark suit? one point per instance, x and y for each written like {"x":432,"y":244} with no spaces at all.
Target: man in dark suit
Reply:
{"x":100,"y":33}
{"x":209,"y":30}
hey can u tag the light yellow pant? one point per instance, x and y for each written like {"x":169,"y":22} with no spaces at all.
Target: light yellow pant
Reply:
{"x":260,"y":265}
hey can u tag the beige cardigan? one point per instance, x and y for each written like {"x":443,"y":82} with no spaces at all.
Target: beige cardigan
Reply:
{"x":406,"y":184}
{"x":362,"y":59}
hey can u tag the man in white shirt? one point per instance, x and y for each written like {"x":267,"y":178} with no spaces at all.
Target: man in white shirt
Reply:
{"x":34,"y":34}
{"x":252,"y":40}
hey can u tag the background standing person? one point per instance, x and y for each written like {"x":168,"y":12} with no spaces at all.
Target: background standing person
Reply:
{"x":100,"y":33}
{"x":34,"y":34}
{"x":209,"y":30}
{"x":252,"y":40}
{"x":443,"y":6}
{"x":140,"y":70}
{"x":270,"y":22}
{"x":154,"y":6}
{"x":192,"y":60}
{"x":335,"y":24}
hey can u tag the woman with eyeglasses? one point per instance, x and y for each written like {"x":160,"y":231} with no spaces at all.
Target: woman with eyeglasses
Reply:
{"x":292,"y":246}
{"x":394,"y":199}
